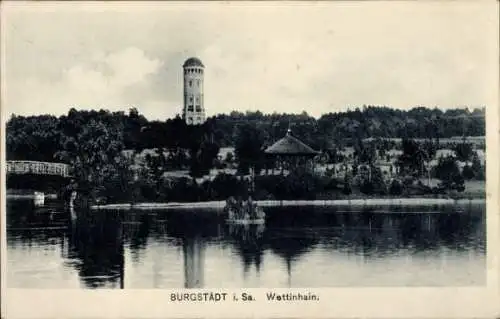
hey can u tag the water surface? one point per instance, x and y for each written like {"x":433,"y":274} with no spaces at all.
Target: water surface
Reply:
{"x":298,"y":247}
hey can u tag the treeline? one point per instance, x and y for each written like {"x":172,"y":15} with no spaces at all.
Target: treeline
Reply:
{"x":41,"y":137}
{"x":94,"y":144}
{"x":342,"y":128}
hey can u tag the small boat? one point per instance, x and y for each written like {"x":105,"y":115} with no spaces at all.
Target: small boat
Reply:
{"x":245,"y":213}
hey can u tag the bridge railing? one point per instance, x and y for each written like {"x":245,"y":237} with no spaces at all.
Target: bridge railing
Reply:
{"x":38,"y":168}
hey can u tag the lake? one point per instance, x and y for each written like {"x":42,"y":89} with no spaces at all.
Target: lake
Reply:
{"x":298,"y":247}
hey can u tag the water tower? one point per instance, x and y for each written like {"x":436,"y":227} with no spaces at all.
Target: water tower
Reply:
{"x":194,"y":109}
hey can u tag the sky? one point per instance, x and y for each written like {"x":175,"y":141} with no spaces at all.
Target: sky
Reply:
{"x":316,"y":57}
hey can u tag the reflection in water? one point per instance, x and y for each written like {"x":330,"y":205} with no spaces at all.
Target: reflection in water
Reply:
{"x":318,"y":247}
{"x":290,"y":245}
{"x":138,"y":231}
{"x":194,"y":251}
{"x":98,"y":252}
{"x":249,"y":242}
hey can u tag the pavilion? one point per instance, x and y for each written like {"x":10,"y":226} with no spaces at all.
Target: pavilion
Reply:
{"x":290,"y":152}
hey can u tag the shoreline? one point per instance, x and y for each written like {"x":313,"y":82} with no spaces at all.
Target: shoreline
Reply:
{"x":219,"y":205}
{"x":29,"y":196}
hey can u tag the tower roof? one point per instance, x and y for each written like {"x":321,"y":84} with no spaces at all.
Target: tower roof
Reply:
{"x":193,"y":62}
{"x":290,"y":145}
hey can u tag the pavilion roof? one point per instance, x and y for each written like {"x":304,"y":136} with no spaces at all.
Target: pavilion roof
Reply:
{"x":290,"y":145}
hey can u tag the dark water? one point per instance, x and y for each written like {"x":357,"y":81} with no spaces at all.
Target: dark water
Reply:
{"x":306,"y":247}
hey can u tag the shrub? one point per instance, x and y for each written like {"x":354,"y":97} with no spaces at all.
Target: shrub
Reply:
{"x":366,"y":187}
{"x":396,"y":188}
{"x":467,"y":172}
{"x":270,"y":184}
{"x":226,"y":185}
{"x":181,"y":189}
{"x":448,"y":172}
{"x":478,"y":169}
{"x":297,"y":185}
{"x":347,"y":189}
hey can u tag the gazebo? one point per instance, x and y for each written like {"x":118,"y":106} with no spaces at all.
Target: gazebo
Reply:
{"x":291,"y":152}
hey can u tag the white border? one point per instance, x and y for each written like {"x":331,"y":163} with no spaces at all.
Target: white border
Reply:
{"x":334,"y":302}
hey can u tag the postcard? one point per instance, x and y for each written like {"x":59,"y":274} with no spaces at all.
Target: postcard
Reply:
{"x":250,"y":159}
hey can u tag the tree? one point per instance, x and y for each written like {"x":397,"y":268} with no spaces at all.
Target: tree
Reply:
{"x":468,"y":172}
{"x":366,"y":187}
{"x":176,"y":159}
{"x":249,"y":149}
{"x":225,"y":185}
{"x":378,"y":181}
{"x":364,"y":152}
{"x":412,"y":161}
{"x":478,"y":169}
{"x":133,"y":125}
{"x":155,"y":165}
{"x":463,"y":151}
{"x":347,"y":190}
{"x":208,"y":154}
{"x":430,"y":150}
{"x":396,"y":188}
{"x":372,"y":182}
{"x":300,"y":185}
{"x":182,"y":189}
{"x":37,"y":137}
{"x":94,"y":152}
{"x":354,"y":169}
{"x":32,"y":138}
{"x":448,"y":172}
{"x":202,"y":151}
{"x":229,"y":158}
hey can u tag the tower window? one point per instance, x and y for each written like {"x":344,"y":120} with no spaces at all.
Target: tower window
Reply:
{"x":197,"y":82}
{"x":198,"y":108}
{"x":190,"y":108}
{"x":190,"y":99}
{"x":190,"y":82}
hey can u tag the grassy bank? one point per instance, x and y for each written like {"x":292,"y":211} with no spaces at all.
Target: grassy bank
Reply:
{"x":219,"y":205}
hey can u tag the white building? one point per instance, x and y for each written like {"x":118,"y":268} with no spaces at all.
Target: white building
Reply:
{"x":194,"y":109}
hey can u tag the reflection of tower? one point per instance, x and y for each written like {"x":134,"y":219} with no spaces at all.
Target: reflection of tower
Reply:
{"x":194,"y":252}
{"x":289,"y":271}
{"x":194,"y":108}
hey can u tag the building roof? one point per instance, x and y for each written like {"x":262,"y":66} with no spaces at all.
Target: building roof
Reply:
{"x":193,"y":62}
{"x":290,"y":145}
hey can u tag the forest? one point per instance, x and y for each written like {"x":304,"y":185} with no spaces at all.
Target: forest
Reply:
{"x":43,"y":137}
{"x":101,"y":147}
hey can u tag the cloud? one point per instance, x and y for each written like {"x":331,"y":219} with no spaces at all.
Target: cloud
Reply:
{"x":287,"y":58}
{"x":102,"y":81}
